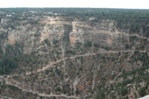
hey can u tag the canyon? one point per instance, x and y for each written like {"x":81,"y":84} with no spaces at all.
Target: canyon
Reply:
{"x":54,"y":56}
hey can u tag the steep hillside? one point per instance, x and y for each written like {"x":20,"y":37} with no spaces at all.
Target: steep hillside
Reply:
{"x":55,"y":55}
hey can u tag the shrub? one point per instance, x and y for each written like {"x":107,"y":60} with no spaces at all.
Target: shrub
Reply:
{"x":142,"y":91}
{"x":124,"y":91}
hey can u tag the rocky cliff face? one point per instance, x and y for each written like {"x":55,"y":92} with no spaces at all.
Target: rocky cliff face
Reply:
{"x":62,"y":57}
{"x":31,"y":34}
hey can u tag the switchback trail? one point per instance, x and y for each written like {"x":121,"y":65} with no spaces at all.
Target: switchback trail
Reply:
{"x":38,"y":93}
{"x":16,"y":84}
{"x":50,"y":65}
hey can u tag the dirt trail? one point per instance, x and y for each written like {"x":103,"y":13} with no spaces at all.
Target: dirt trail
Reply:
{"x":121,"y":33}
{"x":16,"y":84}
{"x":76,"y":56}
{"x":134,"y":35}
{"x":38,"y":93}
{"x":63,"y":59}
